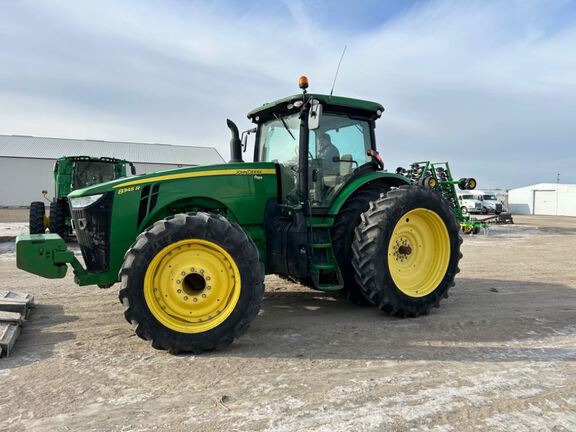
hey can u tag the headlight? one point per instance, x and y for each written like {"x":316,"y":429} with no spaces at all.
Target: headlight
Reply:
{"x":84,"y":201}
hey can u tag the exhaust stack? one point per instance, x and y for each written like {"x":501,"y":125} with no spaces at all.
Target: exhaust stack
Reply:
{"x":235,"y":143}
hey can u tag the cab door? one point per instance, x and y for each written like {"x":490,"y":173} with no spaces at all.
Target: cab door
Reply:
{"x":336,"y":149}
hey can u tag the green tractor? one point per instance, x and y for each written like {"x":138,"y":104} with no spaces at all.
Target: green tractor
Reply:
{"x":190,"y":247}
{"x":71,"y":173}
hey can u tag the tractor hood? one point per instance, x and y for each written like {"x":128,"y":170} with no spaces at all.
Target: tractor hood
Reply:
{"x":128,"y":184}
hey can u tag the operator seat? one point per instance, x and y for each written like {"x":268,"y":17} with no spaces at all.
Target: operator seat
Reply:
{"x":345,"y":168}
{"x":346,"y":165}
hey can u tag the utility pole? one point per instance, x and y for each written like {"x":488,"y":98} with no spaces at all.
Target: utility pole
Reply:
{"x":558,"y":178}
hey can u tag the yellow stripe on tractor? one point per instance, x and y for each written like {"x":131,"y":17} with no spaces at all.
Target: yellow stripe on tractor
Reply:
{"x":198,"y":174}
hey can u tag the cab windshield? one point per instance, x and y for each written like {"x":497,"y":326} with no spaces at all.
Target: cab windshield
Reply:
{"x":489,"y":197}
{"x":279,"y":140}
{"x":88,"y":173}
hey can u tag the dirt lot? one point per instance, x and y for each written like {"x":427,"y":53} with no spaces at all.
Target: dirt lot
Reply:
{"x":14,"y":214}
{"x":498,"y":355}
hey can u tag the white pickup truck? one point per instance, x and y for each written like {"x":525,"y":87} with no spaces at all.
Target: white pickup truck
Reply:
{"x":479,"y":202}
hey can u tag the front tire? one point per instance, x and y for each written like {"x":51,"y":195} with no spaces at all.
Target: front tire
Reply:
{"x":192,"y":283}
{"x":58,"y":214}
{"x":37,"y":218}
{"x":406,"y":251}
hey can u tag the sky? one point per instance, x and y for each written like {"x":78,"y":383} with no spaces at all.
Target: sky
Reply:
{"x":489,"y":86}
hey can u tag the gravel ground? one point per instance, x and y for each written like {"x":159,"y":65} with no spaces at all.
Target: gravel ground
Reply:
{"x":498,"y":355}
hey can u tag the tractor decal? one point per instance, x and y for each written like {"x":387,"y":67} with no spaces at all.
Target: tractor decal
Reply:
{"x":128,"y":189}
{"x":198,"y":174}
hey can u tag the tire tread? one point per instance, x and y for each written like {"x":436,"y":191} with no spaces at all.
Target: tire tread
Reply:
{"x":142,"y":251}
{"x":375,"y":223}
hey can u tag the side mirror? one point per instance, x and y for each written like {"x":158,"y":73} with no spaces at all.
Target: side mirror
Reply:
{"x":314,"y":115}
{"x":245,"y":138}
{"x":132,"y":169}
{"x":244,"y":142}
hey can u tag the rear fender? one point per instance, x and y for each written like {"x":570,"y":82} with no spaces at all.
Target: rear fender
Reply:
{"x":384,"y":178}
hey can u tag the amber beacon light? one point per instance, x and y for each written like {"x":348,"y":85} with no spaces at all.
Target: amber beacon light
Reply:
{"x":303,"y":82}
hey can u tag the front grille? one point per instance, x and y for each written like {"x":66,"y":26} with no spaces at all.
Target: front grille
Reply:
{"x":92,"y":226}
{"x":498,"y":207}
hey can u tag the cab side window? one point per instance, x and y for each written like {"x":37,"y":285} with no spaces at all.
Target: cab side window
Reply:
{"x":335,"y":150}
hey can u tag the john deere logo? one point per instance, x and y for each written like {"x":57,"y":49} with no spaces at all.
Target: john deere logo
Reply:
{"x":249,"y":172}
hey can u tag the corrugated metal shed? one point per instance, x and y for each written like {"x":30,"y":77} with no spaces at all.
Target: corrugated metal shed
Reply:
{"x":53,"y":148}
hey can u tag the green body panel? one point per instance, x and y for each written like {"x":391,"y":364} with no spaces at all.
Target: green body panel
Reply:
{"x":63,"y":177}
{"x":376,"y":176}
{"x":238,"y":191}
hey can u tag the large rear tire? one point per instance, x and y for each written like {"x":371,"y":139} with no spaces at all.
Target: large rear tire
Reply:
{"x":343,"y":233}
{"x":406,"y":251}
{"x":58,"y":213}
{"x":192,"y":283}
{"x":37,"y":218}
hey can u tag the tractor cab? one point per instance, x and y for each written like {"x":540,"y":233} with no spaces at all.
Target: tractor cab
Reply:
{"x":78,"y":172}
{"x":320,"y":142}
{"x":72,"y":173}
{"x":324,"y":149}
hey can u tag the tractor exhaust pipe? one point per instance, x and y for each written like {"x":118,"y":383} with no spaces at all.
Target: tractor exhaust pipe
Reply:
{"x":235,"y":143}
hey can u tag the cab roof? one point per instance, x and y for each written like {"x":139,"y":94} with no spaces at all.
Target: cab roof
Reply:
{"x":337,"y":103}
{"x":92,"y":159}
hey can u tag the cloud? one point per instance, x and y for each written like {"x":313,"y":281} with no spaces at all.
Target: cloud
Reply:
{"x":489,"y":86}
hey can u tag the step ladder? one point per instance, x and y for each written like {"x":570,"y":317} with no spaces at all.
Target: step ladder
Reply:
{"x":324,"y":269}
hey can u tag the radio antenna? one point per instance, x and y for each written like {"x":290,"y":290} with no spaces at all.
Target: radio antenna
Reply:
{"x":338,"y":70}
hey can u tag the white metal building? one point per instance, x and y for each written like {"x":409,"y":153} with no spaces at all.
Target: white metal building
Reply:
{"x":544,"y":199}
{"x":26,"y":162}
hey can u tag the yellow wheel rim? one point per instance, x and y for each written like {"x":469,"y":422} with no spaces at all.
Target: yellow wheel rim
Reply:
{"x":192,"y":286}
{"x":419,"y":252}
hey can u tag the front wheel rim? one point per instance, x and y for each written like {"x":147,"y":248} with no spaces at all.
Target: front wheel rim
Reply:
{"x":419,"y":252}
{"x":192,"y":286}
